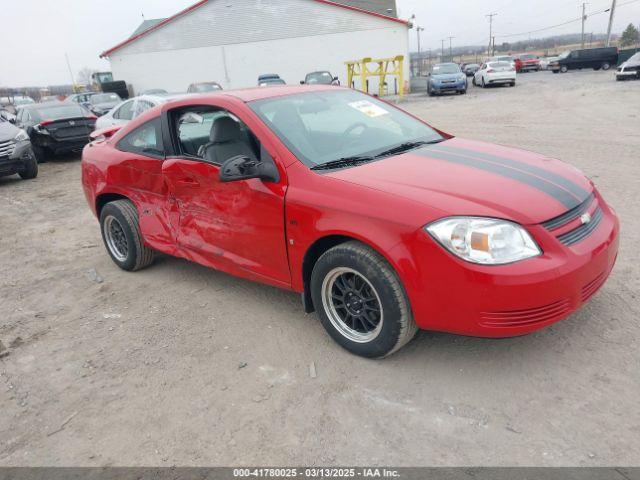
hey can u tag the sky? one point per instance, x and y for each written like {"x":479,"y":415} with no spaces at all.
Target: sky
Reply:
{"x":36,"y":34}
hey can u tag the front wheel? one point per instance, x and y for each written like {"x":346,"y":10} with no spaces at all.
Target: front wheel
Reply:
{"x":122,"y":237}
{"x":564,"y":69}
{"x":360,"y":301}
{"x":484,"y":85}
{"x":30,"y":169}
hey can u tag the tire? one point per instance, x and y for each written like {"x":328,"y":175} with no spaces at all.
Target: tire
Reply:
{"x":564,"y":69}
{"x":30,"y":169}
{"x":512,"y":84}
{"x":121,"y":236}
{"x":40,"y":153}
{"x":484,"y":85}
{"x":555,"y":71}
{"x":378,"y":321}
{"x":606,"y":65}
{"x":473,"y":81}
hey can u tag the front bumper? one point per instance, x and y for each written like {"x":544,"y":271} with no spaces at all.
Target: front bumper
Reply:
{"x":450,"y":295}
{"x":627,"y":73}
{"x":448,"y":87}
{"x":16,"y":162}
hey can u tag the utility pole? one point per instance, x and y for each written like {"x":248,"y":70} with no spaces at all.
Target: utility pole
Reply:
{"x":73,"y":82}
{"x":442,"y":51}
{"x":584,"y":17}
{"x":418,"y":30}
{"x":612,"y":11}
{"x":490,"y":15}
{"x":450,"y":50}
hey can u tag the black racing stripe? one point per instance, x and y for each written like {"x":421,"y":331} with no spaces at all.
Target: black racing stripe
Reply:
{"x":545,"y":186}
{"x":565,"y":183}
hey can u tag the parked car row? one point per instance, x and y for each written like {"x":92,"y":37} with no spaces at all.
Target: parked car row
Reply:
{"x":449,"y":77}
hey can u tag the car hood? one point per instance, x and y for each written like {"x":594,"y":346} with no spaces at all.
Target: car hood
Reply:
{"x":630,"y":64}
{"x":447,"y":76}
{"x":464,"y":177}
{"x":7,"y":131}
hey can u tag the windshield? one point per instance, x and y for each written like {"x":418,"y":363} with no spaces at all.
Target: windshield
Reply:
{"x":499,"y":65}
{"x":527,"y":57}
{"x":634,"y":58}
{"x":323,"y":78}
{"x":320,"y":127}
{"x":272,"y":81}
{"x":61,"y":111}
{"x":446,"y":68}
{"x":564,"y":54}
{"x":505,"y":59}
{"x":104,"y":98}
{"x":206,"y":87}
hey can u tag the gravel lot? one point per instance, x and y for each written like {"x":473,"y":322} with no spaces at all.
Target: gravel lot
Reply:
{"x":179,"y":364}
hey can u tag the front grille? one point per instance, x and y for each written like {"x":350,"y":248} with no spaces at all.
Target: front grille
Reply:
{"x":583,"y":231}
{"x":517,"y":318}
{"x":593,"y":286}
{"x":569,"y":216}
{"x":7,"y":148}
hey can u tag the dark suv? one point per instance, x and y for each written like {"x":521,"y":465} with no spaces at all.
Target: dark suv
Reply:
{"x":596,"y":58}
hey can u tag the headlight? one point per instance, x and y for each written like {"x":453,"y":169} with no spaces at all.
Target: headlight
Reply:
{"x":21,"y":136}
{"x":487,"y":241}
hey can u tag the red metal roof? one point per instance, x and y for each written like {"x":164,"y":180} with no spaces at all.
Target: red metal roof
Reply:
{"x":195,"y":6}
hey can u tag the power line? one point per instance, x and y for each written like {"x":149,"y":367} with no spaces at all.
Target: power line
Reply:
{"x":599,"y":12}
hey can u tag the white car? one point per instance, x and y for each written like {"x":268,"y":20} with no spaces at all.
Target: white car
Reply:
{"x":126,"y":111}
{"x":544,"y":62}
{"x":495,"y":73}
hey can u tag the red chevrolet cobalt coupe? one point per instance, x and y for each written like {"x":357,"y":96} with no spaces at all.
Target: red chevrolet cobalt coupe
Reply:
{"x":382,"y":223}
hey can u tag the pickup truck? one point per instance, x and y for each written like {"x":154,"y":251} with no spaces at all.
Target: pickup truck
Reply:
{"x":527,"y":63}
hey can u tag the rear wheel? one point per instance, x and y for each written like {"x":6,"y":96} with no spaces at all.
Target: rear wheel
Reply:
{"x":30,"y":168}
{"x":360,"y":301}
{"x":606,"y":65}
{"x":484,"y":85}
{"x":512,"y":84}
{"x":122,"y":237}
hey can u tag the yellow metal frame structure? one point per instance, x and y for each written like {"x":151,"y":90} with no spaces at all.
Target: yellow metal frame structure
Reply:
{"x":384,"y":67}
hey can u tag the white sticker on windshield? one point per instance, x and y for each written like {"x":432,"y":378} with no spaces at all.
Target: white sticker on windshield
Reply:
{"x":368,"y":108}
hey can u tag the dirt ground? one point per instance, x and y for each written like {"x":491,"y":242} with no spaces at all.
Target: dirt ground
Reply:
{"x":182,"y":365}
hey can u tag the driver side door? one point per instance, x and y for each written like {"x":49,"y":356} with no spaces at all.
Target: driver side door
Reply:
{"x":236,"y":227}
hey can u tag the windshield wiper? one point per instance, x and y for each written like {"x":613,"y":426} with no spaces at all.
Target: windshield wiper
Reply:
{"x":404,"y":147}
{"x":342,"y":162}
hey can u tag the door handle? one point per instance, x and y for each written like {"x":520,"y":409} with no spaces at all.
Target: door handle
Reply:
{"x":187,"y":182}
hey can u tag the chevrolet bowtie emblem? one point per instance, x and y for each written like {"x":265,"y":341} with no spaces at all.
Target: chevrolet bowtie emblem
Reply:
{"x":586,"y":218}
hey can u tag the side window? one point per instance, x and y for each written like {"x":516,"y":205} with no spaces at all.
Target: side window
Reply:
{"x":213,"y":135}
{"x":125,"y":112}
{"x":142,"y":106}
{"x":145,"y":140}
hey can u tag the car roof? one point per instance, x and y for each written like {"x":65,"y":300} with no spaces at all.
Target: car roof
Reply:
{"x":260,"y":93}
{"x":161,"y":97}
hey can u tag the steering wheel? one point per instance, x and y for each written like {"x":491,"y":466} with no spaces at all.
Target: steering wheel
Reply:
{"x":351,"y":128}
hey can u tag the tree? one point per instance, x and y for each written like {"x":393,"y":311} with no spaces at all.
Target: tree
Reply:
{"x":630,"y":36}
{"x":84,"y":75}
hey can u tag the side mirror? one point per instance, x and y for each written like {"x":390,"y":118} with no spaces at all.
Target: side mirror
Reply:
{"x":242,"y":167}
